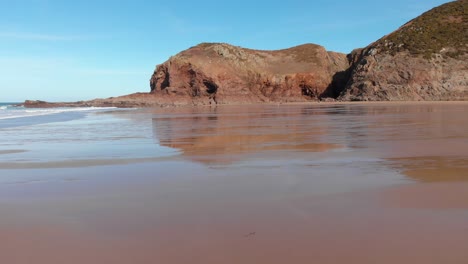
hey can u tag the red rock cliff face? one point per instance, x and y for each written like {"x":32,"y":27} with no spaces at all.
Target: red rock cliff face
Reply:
{"x":222,"y":73}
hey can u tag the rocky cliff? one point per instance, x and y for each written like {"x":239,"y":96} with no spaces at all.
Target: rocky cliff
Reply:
{"x":426,"y":59}
{"x":222,"y":73}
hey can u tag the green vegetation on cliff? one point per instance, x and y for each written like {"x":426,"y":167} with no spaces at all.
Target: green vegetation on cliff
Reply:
{"x":444,"y":27}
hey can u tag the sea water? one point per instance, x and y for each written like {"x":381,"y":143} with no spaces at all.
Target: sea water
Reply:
{"x":101,"y":134}
{"x":14,"y":115}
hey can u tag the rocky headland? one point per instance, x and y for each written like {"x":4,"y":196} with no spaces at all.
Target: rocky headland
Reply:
{"x":424,"y":60}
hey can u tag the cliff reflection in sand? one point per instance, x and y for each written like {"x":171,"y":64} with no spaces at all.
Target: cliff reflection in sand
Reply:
{"x":230,"y":133}
{"x":222,"y":134}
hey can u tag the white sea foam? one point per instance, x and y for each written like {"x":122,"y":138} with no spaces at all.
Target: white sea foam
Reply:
{"x":17,"y":112}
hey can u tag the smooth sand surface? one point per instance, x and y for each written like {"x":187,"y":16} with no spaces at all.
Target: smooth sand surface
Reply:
{"x":453,"y":195}
{"x":363,"y":184}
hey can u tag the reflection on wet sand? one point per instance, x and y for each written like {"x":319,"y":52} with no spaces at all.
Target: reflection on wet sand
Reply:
{"x":434,"y":169}
{"x":220,"y":134}
{"x":385,"y":130}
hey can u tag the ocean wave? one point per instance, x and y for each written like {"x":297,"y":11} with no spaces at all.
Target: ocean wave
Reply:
{"x":10,"y":113}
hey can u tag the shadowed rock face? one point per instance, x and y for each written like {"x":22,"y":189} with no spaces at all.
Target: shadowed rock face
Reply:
{"x":423,"y":60}
{"x":229,"y":74}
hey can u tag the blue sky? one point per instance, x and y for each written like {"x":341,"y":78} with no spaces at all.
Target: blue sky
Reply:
{"x":75,"y":50}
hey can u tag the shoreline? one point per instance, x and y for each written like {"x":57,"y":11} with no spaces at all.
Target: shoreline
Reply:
{"x":114,"y":102}
{"x":81,"y":163}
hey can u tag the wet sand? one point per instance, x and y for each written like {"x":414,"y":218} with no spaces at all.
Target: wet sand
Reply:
{"x":11,"y":151}
{"x":76,"y":163}
{"x":352,"y":183}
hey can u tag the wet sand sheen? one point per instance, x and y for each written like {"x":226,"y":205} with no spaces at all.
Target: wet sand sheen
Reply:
{"x":76,"y":163}
{"x":434,"y":169}
{"x":290,"y":184}
{"x":11,"y":151}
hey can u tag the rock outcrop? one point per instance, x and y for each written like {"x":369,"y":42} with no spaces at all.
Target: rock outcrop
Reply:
{"x":426,"y":59}
{"x":126,"y":101}
{"x":222,"y":73}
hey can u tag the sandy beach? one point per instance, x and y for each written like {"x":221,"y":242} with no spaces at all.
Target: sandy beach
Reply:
{"x":297,"y":183}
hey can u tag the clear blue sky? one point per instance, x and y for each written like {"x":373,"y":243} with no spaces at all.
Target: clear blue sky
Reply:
{"x":75,"y":50}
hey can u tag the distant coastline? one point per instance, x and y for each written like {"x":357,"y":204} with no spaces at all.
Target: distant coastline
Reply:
{"x":121,"y":103}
